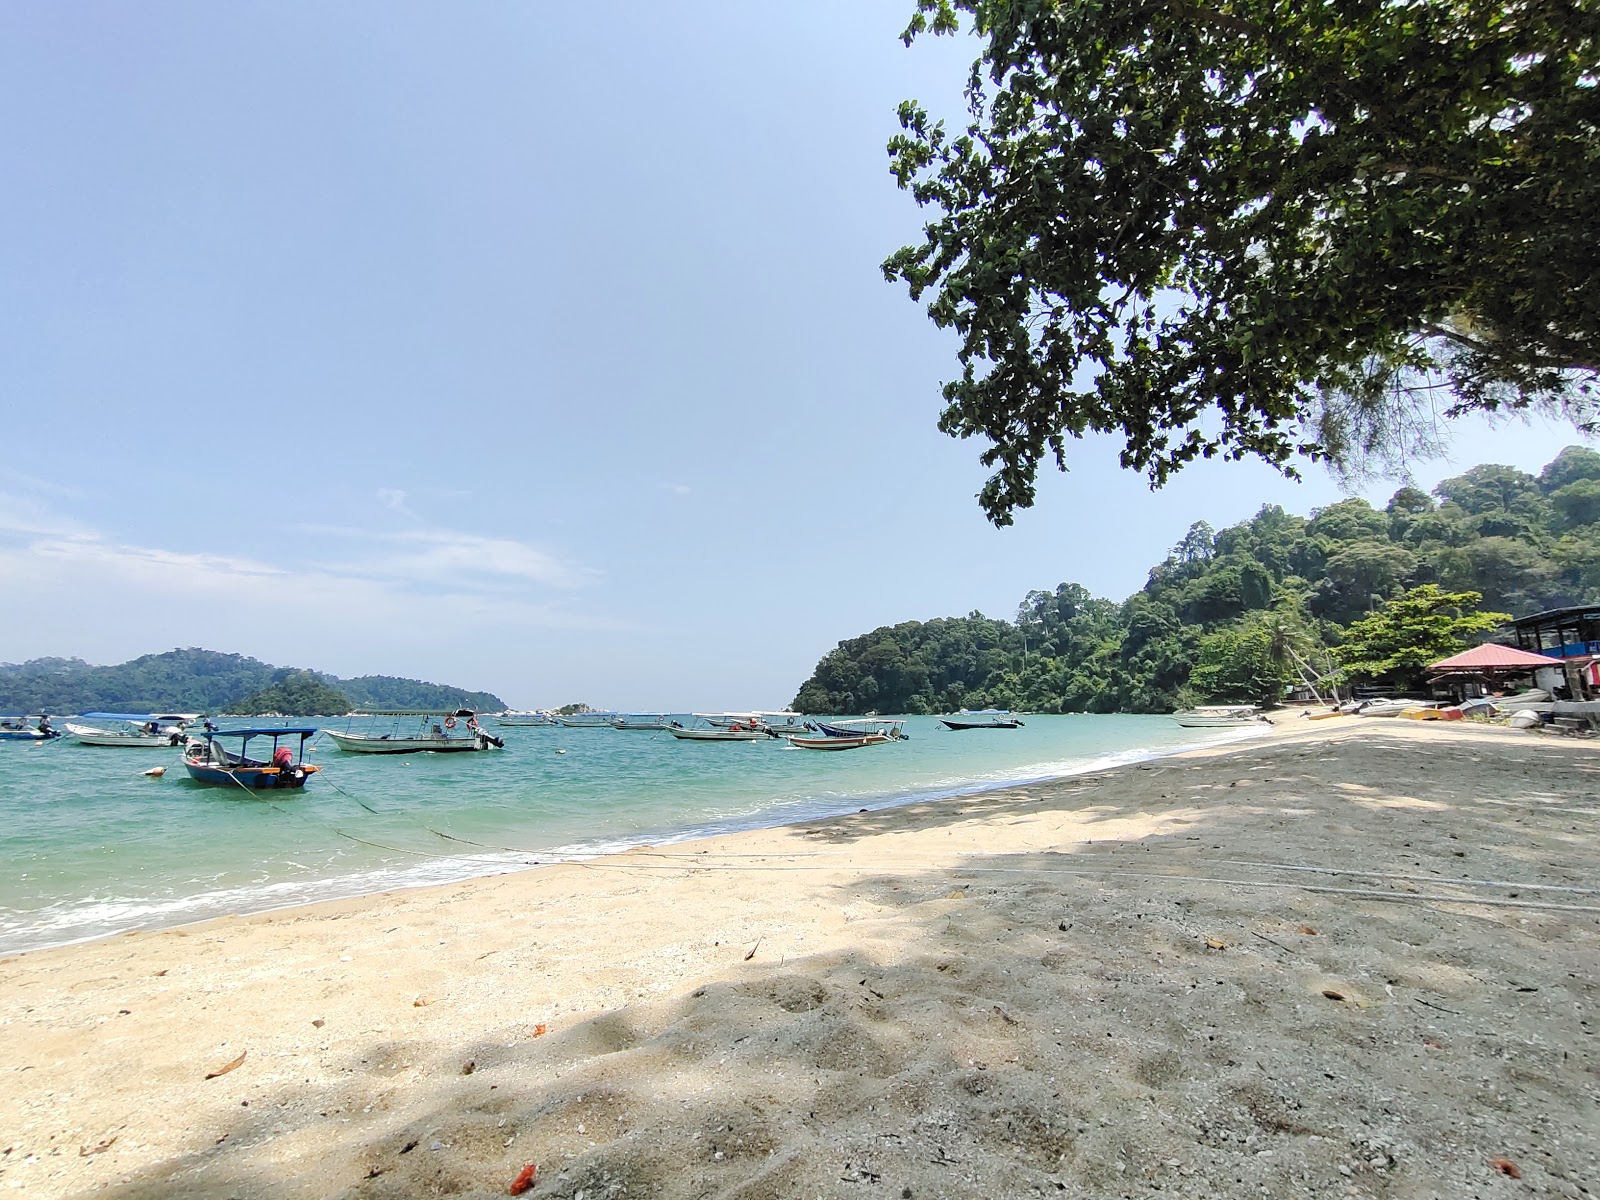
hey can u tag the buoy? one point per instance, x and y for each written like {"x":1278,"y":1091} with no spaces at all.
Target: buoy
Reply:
{"x":560,"y":751}
{"x":156,"y":772}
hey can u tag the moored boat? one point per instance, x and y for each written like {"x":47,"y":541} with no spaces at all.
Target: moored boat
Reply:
{"x":441,"y":738}
{"x":586,"y":720}
{"x":781,"y":722}
{"x":739,"y":731}
{"x":208,"y":761}
{"x":151,"y":731}
{"x":524,"y":720}
{"x":642,"y":722}
{"x":983,"y":718}
{"x":874,"y":731}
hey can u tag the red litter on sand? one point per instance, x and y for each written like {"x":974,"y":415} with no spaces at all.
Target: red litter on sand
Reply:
{"x":523,"y":1181}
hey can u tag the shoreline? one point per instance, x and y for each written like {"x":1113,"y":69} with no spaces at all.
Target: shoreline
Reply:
{"x":218,"y":905}
{"x":987,"y":994}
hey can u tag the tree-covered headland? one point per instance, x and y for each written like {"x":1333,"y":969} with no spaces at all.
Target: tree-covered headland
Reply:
{"x":1235,"y":614}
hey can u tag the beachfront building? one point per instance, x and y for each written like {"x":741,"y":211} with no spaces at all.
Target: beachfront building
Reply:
{"x":1561,"y":632}
{"x":1490,"y":668}
{"x":1572,"y":637}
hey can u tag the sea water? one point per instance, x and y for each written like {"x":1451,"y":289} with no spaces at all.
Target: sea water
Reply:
{"x":90,"y":845}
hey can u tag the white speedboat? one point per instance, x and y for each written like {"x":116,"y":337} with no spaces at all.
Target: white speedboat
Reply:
{"x":1219,"y":716}
{"x":641,"y":722}
{"x":524,"y":720}
{"x":440,"y":738}
{"x":782,"y":722}
{"x":586,"y":720}
{"x":983,"y":718}
{"x":135,"y":730}
{"x":737,"y":732}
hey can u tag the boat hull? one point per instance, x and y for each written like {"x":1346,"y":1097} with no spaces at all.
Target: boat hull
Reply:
{"x":89,"y":736}
{"x":980,"y":724}
{"x":839,"y":743}
{"x":1217,"y":722}
{"x":720,"y":735}
{"x":25,"y":735}
{"x":253,"y":778}
{"x":361,"y":743}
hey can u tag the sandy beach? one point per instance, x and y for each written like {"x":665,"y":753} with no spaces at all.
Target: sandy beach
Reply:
{"x":1353,"y":958}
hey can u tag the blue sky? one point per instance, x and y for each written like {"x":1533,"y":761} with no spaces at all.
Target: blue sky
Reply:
{"x":534,"y":348}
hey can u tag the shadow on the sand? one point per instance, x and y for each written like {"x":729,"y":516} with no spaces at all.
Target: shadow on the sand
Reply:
{"x":1139,"y":1017}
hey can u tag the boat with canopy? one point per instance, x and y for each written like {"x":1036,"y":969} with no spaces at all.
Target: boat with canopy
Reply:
{"x":138,"y":730}
{"x":435,"y":732}
{"x":738,"y":731}
{"x":209,"y":761}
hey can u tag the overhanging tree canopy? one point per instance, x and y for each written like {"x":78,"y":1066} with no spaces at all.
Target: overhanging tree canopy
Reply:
{"x":1245,"y":227}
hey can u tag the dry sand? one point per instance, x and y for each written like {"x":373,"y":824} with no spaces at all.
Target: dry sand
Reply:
{"x":1359,"y":958}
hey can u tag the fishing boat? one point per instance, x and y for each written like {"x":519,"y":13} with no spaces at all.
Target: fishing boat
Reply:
{"x":208,"y":761}
{"x":586,"y":720}
{"x":737,"y":732}
{"x":643,"y":722}
{"x":150,"y":731}
{"x":781,"y":722}
{"x":17,"y":729}
{"x":441,"y":738}
{"x":872,"y":732}
{"x":983,"y":718}
{"x":524,"y":720}
{"x":1219,"y":716}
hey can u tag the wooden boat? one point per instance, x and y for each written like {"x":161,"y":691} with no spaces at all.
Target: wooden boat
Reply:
{"x":208,"y":761}
{"x":873,"y":731}
{"x":17,"y":729}
{"x":984,"y":718}
{"x":440,"y":739}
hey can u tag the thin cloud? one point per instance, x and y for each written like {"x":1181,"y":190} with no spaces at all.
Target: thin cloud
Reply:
{"x":394,"y":499}
{"x":32,"y":483}
{"x":677,"y":489}
{"x":79,"y":565}
{"x":25,"y":515}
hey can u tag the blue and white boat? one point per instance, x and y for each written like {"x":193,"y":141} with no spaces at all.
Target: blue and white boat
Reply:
{"x":18,"y":729}
{"x":208,"y":761}
{"x":981,"y":718}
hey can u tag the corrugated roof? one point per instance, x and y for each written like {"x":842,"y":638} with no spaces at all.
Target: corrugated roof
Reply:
{"x":1492,"y":657}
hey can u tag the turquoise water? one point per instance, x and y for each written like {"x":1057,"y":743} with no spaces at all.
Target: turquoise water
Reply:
{"x":91,"y":846}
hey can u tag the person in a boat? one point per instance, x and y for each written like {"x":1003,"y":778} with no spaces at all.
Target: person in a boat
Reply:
{"x":44,"y":725}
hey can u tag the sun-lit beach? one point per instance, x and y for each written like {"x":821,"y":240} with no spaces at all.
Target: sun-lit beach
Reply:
{"x":1352,"y":958}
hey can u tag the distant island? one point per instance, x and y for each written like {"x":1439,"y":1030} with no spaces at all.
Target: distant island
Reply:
{"x":1353,"y":592}
{"x":208,"y":681}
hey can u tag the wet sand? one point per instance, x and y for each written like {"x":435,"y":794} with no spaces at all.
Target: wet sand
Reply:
{"x":1354,"y":958}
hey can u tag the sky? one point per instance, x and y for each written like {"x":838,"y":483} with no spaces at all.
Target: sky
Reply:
{"x":540,"y":349}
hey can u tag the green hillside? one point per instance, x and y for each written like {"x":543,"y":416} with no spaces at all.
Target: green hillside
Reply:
{"x":1233,"y":614}
{"x":207,"y":681}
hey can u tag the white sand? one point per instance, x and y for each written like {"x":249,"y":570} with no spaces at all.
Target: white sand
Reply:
{"x":1003,"y":995}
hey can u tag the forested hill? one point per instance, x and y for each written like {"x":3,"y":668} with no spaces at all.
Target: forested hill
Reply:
{"x":1227,"y":613}
{"x":202,"y":681}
